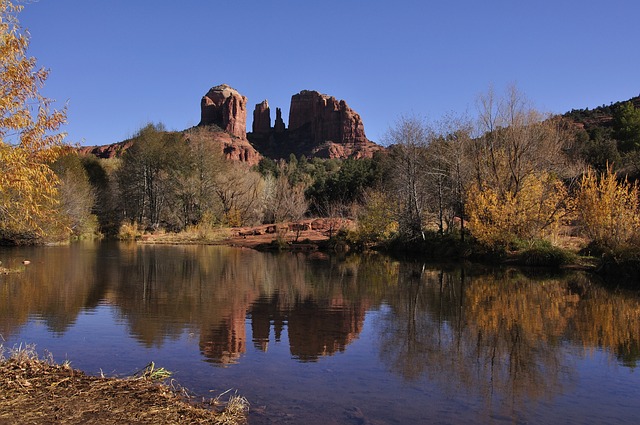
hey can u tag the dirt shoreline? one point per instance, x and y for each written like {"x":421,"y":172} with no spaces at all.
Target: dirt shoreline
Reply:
{"x":307,"y":235}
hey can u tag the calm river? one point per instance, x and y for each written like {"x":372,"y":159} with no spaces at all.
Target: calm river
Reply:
{"x":313,"y":339}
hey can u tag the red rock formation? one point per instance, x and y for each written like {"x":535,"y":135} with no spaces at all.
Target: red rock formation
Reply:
{"x":262,"y":118}
{"x":233,"y":148}
{"x":328,"y":118}
{"x":226,"y":108}
{"x":106,"y":151}
{"x":329,"y":125}
{"x":279,"y":124}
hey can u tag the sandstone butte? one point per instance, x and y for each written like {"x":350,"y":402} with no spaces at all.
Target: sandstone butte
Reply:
{"x":319,"y":126}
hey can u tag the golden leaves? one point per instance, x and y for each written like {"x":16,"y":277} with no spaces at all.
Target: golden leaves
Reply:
{"x":532,"y":212}
{"x":608,"y":209}
{"x":28,"y":142}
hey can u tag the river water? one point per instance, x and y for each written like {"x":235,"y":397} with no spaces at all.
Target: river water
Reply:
{"x":316,"y":339}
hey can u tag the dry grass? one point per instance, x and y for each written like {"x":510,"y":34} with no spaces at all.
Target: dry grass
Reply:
{"x":199,"y":234}
{"x":38,"y":391}
{"x":129,"y":232}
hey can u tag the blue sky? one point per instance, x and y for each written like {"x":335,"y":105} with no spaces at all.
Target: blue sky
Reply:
{"x":123,"y":63}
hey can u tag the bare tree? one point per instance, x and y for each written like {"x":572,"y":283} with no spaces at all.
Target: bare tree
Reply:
{"x":451,"y":170}
{"x":240,"y":191}
{"x":285,"y":201}
{"x":409,"y":139}
{"x":516,"y":141}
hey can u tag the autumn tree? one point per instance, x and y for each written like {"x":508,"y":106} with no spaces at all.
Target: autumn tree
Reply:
{"x":534,"y":212}
{"x":518,"y":162}
{"x":102,"y":177}
{"x":450,"y":172}
{"x":28,"y":138}
{"x":76,"y":195}
{"x":375,"y":218}
{"x":608,"y":210}
{"x":206,"y":162}
{"x":241,"y":194}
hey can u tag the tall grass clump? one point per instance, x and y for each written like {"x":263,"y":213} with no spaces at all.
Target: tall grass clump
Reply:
{"x":129,"y":232}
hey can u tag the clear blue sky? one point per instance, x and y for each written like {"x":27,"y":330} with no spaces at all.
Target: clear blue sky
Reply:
{"x":123,"y":63}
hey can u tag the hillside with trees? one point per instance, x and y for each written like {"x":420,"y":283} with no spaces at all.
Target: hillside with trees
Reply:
{"x":609,"y":135}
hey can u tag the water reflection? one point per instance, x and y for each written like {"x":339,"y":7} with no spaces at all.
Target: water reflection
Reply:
{"x":494,"y":333}
{"x":317,"y":327}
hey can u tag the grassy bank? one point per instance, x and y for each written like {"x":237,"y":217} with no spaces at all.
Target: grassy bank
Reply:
{"x":35,"y":390}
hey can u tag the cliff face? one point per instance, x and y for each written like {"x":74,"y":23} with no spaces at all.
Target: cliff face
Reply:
{"x":261,"y":117}
{"x":233,"y":148}
{"x":319,"y":125}
{"x":323,"y":118}
{"x":226,"y":108}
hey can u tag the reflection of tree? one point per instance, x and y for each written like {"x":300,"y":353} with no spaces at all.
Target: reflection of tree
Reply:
{"x":479,"y":334}
{"x":500,"y":334}
{"x":607,"y":320}
{"x":54,"y":287}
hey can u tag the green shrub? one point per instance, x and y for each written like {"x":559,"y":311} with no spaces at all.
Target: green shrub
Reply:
{"x":543,"y":253}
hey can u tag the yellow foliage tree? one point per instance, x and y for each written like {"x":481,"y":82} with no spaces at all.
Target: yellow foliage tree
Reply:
{"x":608,"y":209}
{"x":533,"y":212}
{"x":376,"y":218}
{"x":28,"y":137}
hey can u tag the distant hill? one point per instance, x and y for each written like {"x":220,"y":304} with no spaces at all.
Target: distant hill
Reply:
{"x":601,"y":116}
{"x":609,"y":136}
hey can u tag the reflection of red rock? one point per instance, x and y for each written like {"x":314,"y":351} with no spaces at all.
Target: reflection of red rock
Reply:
{"x":226,"y":342}
{"x":314,"y":329}
{"x":265,"y":312}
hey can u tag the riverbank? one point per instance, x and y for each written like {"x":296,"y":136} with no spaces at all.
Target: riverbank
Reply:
{"x":37,"y":391}
{"x":337,"y":234}
{"x":308,"y":235}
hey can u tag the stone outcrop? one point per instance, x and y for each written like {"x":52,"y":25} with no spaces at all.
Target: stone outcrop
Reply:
{"x":232,"y":147}
{"x":106,"y":151}
{"x":319,"y":125}
{"x":225,"y":107}
{"x":324,"y":118}
{"x":262,"y":118}
{"x":279,"y":126}
{"x":223,"y":121}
